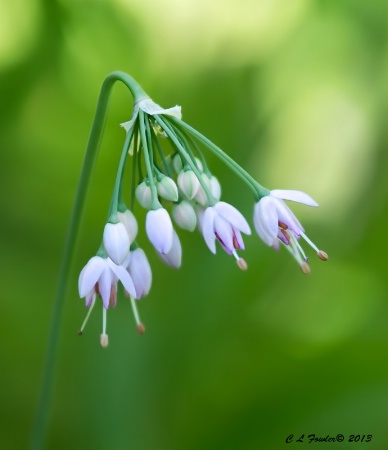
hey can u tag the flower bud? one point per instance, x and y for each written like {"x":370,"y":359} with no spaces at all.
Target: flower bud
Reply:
{"x":129,"y":221}
{"x":140,"y":271}
{"x":184,"y":215}
{"x":143,"y":195}
{"x":167,"y":189}
{"x":188,"y":183}
{"x":215,"y":187}
{"x":116,"y":242}
{"x":159,"y":230}
{"x":201,"y":196}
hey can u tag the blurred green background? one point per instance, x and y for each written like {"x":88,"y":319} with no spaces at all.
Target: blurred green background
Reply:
{"x":296,"y":91}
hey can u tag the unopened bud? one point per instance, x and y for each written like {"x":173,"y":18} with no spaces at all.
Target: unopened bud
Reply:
{"x":104,"y":341}
{"x":143,"y":195}
{"x":242,"y":264}
{"x":140,"y":328}
{"x":322,"y":255}
{"x":167,"y":189}
{"x":188,"y":183}
{"x":305,"y":268}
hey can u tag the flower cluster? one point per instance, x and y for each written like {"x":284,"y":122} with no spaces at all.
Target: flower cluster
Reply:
{"x":171,"y":180}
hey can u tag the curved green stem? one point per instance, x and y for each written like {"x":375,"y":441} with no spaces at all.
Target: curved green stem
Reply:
{"x":42,"y":413}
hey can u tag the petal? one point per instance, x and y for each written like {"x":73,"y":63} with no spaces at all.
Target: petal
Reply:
{"x":224,"y":233}
{"x":105,"y":286}
{"x":174,"y":257}
{"x":265,"y":219}
{"x":116,"y":241}
{"x":129,"y":220}
{"x":159,"y":230}
{"x":294,"y":196}
{"x":207,"y":225}
{"x":150,"y":107}
{"x":233,"y":216}
{"x":140,"y":271}
{"x":90,"y":275}
{"x":122,"y":274}
{"x":238,"y":240}
{"x":286,"y":216}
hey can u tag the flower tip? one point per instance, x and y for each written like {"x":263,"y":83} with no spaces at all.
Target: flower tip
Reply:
{"x":322,"y":255}
{"x":140,"y":328}
{"x":305,"y":268}
{"x":104,"y":341}
{"x":241,"y":264}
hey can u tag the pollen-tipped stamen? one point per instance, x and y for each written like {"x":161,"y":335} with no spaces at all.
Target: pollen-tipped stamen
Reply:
{"x":241,"y":263}
{"x":320,"y":253}
{"x":81,"y":331}
{"x":104,"y":341}
{"x":139,"y":326}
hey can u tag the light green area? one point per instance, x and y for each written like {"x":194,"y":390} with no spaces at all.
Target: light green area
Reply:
{"x":296,"y":92}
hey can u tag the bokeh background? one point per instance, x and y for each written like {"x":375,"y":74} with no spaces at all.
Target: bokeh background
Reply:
{"x":296,"y":91}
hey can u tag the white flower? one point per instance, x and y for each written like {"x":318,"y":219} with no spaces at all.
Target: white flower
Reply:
{"x":159,"y":230}
{"x":224,"y":223}
{"x":129,"y":221}
{"x":275,"y":223}
{"x":174,"y":257}
{"x":116,"y":241}
{"x":100,"y":276}
{"x":150,"y":107}
{"x":140,"y":271}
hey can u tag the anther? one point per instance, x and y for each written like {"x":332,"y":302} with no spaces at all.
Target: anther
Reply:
{"x":241,"y":264}
{"x":104,"y":341}
{"x":305,"y":268}
{"x":282,"y":225}
{"x":140,"y":328}
{"x":80,"y":333}
{"x":322,"y":255}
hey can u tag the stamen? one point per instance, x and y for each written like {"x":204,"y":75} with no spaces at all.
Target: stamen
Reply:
{"x":322,"y":255}
{"x":81,"y":331}
{"x":298,"y":246}
{"x":139,"y":326}
{"x":282,"y":225}
{"x":104,"y":341}
{"x":310,"y":242}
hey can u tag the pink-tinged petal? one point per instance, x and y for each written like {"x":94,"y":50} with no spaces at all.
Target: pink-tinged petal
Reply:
{"x":116,"y":241}
{"x":174,"y":256}
{"x":224,"y":232}
{"x":122,"y":274}
{"x":294,"y":196}
{"x":140,"y":271}
{"x":233,"y":216}
{"x":105,"y":286}
{"x":89,"y":298}
{"x":207,"y":224}
{"x":286,"y":216}
{"x":90,"y":275}
{"x":265,"y":219}
{"x":159,"y":230}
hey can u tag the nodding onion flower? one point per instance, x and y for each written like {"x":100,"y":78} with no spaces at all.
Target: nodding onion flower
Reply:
{"x":169,"y":174}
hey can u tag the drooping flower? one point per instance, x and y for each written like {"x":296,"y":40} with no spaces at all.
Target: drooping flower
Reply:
{"x":159,"y":230}
{"x":223,"y":222}
{"x":100,"y":277}
{"x":276,"y":223}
